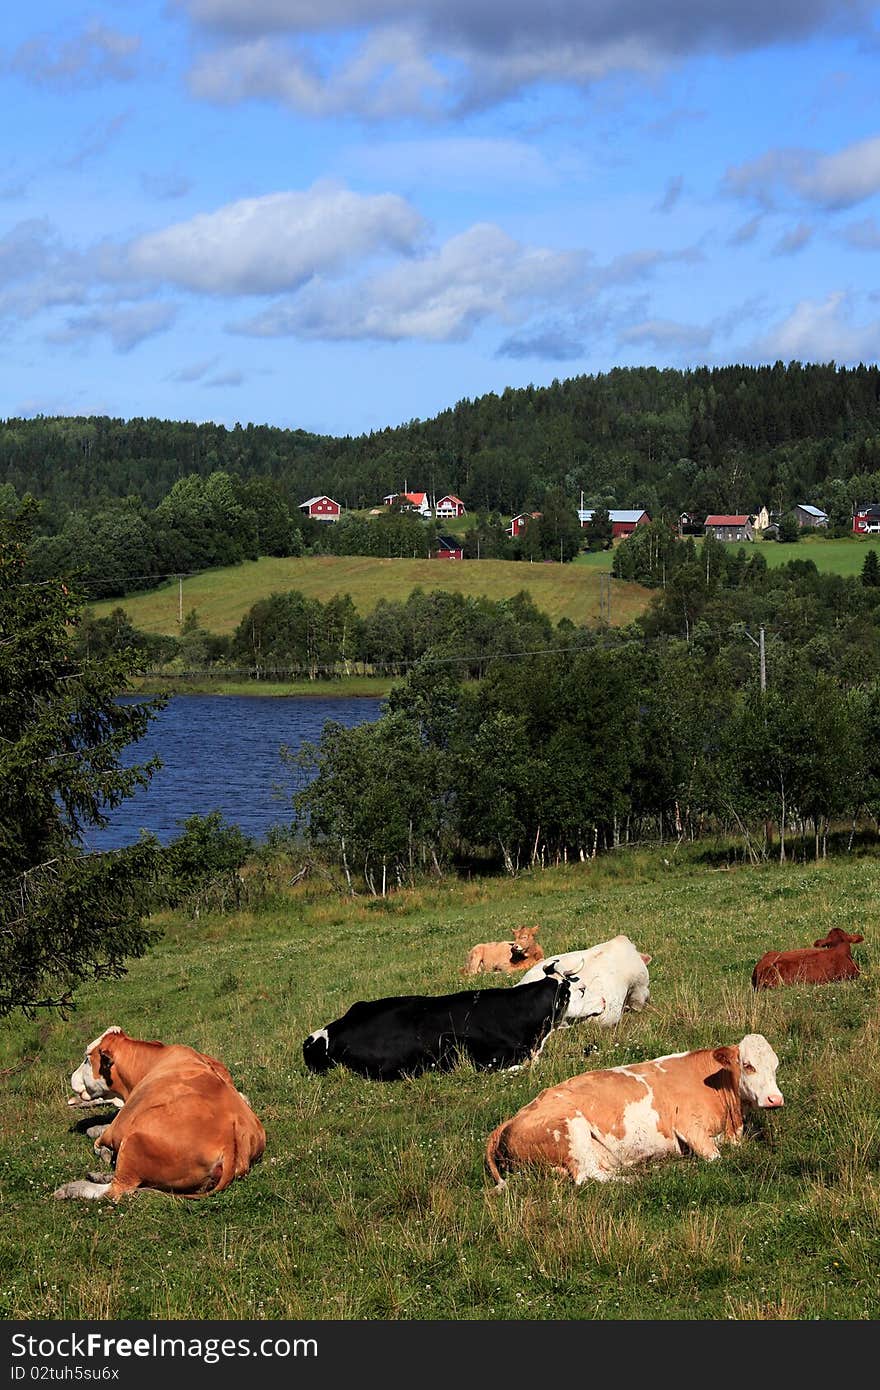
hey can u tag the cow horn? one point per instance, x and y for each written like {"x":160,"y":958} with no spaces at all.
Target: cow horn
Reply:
{"x":573,"y":974}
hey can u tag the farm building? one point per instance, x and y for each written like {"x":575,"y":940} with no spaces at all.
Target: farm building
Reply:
{"x":518,"y":522}
{"x":623,"y":523}
{"x":730,"y":528}
{"x":448,"y":548}
{"x":409,"y":502}
{"x":866,"y":519}
{"x":321,"y":508}
{"x":760,"y":519}
{"x":450,"y":506}
{"x":810,"y":516}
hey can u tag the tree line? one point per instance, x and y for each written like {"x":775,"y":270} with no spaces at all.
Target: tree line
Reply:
{"x":724,"y":439}
{"x":605,"y":737}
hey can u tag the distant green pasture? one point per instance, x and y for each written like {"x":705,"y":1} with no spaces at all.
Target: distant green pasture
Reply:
{"x":221,"y":597}
{"x":845,"y":556}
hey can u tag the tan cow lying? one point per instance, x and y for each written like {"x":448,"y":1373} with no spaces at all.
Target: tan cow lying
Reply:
{"x":506,"y":956}
{"x":183,"y":1126}
{"x":597,"y":1124}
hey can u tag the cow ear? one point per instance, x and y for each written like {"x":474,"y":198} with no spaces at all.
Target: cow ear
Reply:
{"x":727,"y":1056}
{"x":646,"y":959}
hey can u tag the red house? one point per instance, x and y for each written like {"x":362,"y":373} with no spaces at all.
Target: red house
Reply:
{"x":448,"y":548}
{"x":518,"y":522}
{"x":866,"y":519}
{"x":450,"y":506}
{"x":321,"y":508}
{"x":623,"y":523}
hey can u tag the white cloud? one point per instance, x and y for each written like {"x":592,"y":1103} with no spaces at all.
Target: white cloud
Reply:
{"x":125,"y":327}
{"x":666,"y":333}
{"x":794,"y":240}
{"x":472,"y":54}
{"x":480,"y":274}
{"x":454,"y":162}
{"x":822,"y":331}
{"x":864,"y":235}
{"x":276,"y":243}
{"x":831,"y":181}
{"x":94,"y":56}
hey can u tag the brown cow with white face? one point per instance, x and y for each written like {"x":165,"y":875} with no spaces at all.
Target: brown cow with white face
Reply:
{"x":596,"y":1125}
{"x":826,"y":960}
{"x":183,"y":1127}
{"x":505,"y":956}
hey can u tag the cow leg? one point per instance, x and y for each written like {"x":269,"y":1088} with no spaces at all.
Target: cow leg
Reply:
{"x":703,"y":1145}
{"x":95,"y":1131}
{"x":91,"y":1190}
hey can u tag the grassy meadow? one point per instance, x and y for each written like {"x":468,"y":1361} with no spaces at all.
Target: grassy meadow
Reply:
{"x":372,"y":1201}
{"x":221,"y":597}
{"x":844,"y":555}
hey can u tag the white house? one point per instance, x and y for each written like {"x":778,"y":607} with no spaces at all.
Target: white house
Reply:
{"x":410,"y":502}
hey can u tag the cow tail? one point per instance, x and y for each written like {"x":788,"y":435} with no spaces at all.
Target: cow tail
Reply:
{"x":493,"y":1152}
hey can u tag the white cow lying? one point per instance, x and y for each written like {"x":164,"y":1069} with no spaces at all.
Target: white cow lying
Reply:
{"x":614,"y":970}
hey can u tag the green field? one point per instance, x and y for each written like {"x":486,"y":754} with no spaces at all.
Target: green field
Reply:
{"x":221,"y":597}
{"x":844,"y":556}
{"x":372,"y":1201}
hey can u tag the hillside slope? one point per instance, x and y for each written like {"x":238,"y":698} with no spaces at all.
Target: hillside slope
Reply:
{"x":222,"y":597}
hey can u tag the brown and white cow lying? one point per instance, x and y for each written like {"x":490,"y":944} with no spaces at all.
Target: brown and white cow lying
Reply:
{"x":183,"y":1126}
{"x":507,"y":956}
{"x":602,"y":1122}
{"x":826,"y":960}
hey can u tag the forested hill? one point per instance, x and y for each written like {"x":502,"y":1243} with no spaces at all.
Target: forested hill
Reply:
{"x":722,"y":439}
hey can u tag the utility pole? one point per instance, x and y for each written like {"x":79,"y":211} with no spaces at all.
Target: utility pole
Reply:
{"x":763,"y":660}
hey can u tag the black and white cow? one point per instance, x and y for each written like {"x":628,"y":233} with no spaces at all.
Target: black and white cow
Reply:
{"x":495,"y":1029}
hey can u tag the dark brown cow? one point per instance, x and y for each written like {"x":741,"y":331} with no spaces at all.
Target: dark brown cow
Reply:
{"x":819,"y":964}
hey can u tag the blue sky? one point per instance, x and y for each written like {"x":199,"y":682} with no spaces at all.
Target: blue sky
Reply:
{"x":338,"y":215}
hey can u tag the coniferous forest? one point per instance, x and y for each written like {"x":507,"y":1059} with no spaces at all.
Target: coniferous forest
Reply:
{"x":126,"y":501}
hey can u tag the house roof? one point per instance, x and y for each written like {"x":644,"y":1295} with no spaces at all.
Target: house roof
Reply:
{"x":814,"y":511}
{"x":450,"y":497}
{"x":726,"y":521}
{"x":417,"y":498}
{"x":632,"y":514}
{"x":322,"y":497}
{"x":448,"y":543}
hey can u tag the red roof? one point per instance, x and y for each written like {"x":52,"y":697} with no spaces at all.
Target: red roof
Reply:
{"x":450,"y":497}
{"x":725,"y":521}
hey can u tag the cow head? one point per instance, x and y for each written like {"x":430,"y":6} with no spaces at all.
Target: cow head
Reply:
{"x":525,"y":936}
{"x":836,"y":936}
{"x":93,"y":1078}
{"x":757,"y":1063}
{"x":572,"y":990}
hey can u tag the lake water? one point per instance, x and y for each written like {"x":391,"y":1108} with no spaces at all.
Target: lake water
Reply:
{"x":221,"y":753}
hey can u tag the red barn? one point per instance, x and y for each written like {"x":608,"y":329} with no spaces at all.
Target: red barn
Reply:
{"x":866,"y":519}
{"x":321,"y":508}
{"x":518,"y":522}
{"x":448,"y":548}
{"x":623,"y":522}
